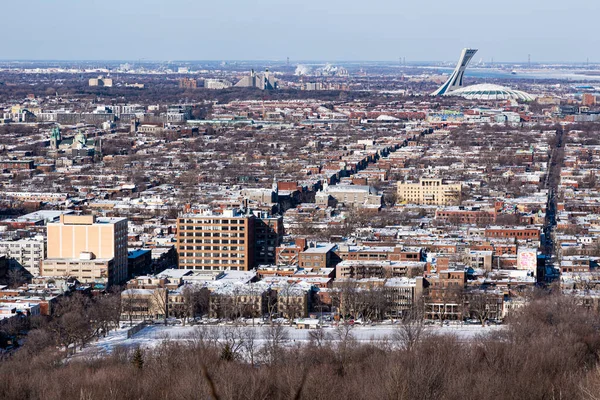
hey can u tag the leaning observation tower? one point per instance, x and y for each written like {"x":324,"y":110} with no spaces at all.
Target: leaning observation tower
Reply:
{"x":456,"y":79}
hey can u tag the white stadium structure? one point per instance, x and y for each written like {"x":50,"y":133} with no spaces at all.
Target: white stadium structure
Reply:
{"x":454,"y":85}
{"x":486,"y":91}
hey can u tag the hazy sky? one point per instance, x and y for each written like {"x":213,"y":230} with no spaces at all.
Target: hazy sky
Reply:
{"x":329,"y":30}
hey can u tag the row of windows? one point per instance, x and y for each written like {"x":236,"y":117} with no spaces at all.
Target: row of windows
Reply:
{"x":217,"y":248}
{"x":218,"y":221}
{"x":305,"y":257}
{"x":200,"y":242}
{"x":217,"y":233}
{"x":98,"y":264}
{"x":513,"y":234}
{"x":213,"y":234}
{"x":213,"y":241}
{"x":20,"y":245}
{"x":213,"y":228}
{"x":215,"y":268}
{"x":211,"y":253}
{"x":430,"y":183}
{"x":63,"y":272}
{"x":447,"y":283}
{"x":211,"y":261}
{"x":311,"y":264}
{"x":212,"y":256}
{"x":21,"y":253}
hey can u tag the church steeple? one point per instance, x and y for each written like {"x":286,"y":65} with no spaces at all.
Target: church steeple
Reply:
{"x":55,"y":137}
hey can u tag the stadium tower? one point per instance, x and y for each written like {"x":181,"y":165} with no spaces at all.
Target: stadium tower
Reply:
{"x":456,"y":79}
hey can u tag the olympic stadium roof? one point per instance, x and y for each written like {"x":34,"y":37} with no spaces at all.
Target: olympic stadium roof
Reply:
{"x":487,"y":91}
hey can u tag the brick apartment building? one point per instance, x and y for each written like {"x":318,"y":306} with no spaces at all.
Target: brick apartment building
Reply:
{"x":216,"y":242}
{"x":520,"y":233}
{"x":445,"y":295}
{"x":381,"y":253}
{"x":469,"y":215}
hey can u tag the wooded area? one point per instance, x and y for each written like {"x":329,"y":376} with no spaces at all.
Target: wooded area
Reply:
{"x":548,"y":351}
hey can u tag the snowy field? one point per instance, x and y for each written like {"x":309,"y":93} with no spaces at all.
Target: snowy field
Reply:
{"x":153,"y":335}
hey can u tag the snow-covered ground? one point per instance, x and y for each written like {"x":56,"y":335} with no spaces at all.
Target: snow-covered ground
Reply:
{"x":155,"y":334}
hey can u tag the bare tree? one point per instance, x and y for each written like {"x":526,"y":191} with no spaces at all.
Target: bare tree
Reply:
{"x":373,"y":303}
{"x":482,"y":305}
{"x":131,"y":304}
{"x":250,"y":344}
{"x":290,"y":302}
{"x":276,"y":336}
{"x":345,"y":341}
{"x":105,"y":313}
{"x":390,"y":198}
{"x":16,"y":277}
{"x":204,"y":337}
{"x":234,"y":339}
{"x":160,"y":302}
{"x":318,"y":337}
{"x":445,"y":302}
{"x":345,"y":298}
{"x":71,"y":323}
{"x":193,"y":301}
{"x":411,"y":328}
{"x":271,"y":305}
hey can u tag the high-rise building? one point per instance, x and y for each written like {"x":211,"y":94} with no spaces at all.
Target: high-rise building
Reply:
{"x":217,"y":84}
{"x":90,"y":249}
{"x":456,"y":79}
{"x":262,"y":81}
{"x":101,"y":81}
{"x":188,"y":83}
{"x":216,"y":242}
{"x":588,"y":99}
{"x":268,"y":234}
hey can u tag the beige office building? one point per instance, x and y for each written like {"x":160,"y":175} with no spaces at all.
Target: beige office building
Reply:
{"x":101,"y":81}
{"x":216,"y":242}
{"x":93,"y":250}
{"x":429,"y":192}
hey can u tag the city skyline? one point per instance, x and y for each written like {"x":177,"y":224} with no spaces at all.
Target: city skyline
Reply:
{"x":336,"y":31}
{"x":278,"y":199}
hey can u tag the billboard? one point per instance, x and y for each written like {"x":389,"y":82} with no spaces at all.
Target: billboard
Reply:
{"x":527,"y":259}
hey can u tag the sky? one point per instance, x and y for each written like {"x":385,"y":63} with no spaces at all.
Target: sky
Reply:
{"x":325,"y":30}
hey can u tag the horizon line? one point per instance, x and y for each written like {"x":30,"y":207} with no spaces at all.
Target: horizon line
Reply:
{"x":284,"y":61}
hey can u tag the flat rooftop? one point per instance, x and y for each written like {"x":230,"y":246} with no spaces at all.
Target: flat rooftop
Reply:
{"x":320,"y":249}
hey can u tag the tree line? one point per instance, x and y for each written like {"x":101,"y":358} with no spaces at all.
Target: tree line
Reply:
{"x":548,"y":351}
{"x":76,"y":320}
